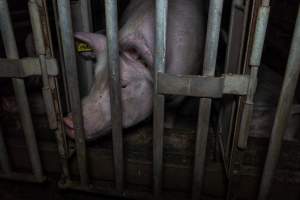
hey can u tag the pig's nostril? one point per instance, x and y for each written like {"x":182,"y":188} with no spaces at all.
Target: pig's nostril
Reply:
{"x":124,"y":86}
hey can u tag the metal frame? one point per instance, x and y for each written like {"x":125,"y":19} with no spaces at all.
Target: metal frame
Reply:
{"x":45,"y":66}
{"x":206,"y":87}
{"x":65,"y":24}
{"x":21,"y":96}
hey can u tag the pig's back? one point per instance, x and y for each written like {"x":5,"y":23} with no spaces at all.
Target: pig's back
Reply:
{"x":184,"y":37}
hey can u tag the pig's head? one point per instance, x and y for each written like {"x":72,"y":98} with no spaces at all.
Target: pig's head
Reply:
{"x":136,"y":90}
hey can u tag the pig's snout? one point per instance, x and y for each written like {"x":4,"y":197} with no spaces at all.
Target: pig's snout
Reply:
{"x":69,"y":125}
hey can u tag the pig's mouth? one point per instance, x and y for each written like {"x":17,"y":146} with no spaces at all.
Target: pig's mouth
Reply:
{"x":68,"y":121}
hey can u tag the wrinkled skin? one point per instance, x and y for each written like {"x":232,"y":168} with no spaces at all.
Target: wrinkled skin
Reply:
{"x":136,"y":39}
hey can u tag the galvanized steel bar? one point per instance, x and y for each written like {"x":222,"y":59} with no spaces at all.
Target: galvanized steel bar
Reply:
{"x":61,"y":56}
{"x":233,"y":64}
{"x":25,"y":67}
{"x":20,"y":91}
{"x":202,"y":86}
{"x":209,"y":67}
{"x":65,"y":22}
{"x":87,"y":23}
{"x":40,"y":47}
{"x":255,"y":60}
{"x":4,"y":161}
{"x":283,"y":110}
{"x":161,"y":15}
{"x":111,"y":10}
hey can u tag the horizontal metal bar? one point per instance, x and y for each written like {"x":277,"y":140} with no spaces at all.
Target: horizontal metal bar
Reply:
{"x":23,"y":177}
{"x":111,"y":10}
{"x":21,"y":68}
{"x":202,"y":86}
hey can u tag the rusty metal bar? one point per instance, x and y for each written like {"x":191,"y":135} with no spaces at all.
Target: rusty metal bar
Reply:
{"x":282,"y":113}
{"x":255,"y":60}
{"x":4,"y":161}
{"x":20,"y":91}
{"x":42,"y":22}
{"x":161,"y":13}
{"x":40,"y":47}
{"x":65,"y":22}
{"x":61,"y":56}
{"x":233,"y":64}
{"x":111,"y":10}
{"x":209,"y":67}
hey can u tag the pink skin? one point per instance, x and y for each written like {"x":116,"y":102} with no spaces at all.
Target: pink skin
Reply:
{"x":137,"y":89}
{"x":136,"y":38}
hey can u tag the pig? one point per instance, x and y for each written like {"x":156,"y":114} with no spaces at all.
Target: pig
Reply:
{"x":185,"y":39}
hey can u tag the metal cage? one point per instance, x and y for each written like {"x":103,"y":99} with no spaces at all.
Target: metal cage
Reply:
{"x":240,"y":79}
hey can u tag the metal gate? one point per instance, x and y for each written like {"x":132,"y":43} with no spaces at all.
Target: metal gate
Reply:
{"x":44,"y":65}
{"x":236,"y":82}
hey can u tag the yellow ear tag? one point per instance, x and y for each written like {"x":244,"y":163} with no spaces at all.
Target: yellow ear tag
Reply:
{"x":83,"y":47}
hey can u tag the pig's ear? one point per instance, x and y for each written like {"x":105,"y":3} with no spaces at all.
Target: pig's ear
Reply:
{"x":94,"y":40}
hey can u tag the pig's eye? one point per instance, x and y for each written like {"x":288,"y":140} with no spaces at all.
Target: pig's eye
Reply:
{"x":124,"y":86}
{"x":133,"y":53}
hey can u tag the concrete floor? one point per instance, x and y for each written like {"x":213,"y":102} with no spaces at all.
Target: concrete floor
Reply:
{"x":48,"y":191}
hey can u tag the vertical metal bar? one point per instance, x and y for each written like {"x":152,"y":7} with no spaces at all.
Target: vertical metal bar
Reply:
{"x":159,"y":100}
{"x":255,"y":60}
{"x":111,"y":10}
{"x":210,"y":59}
{"x":40,"y":47}
{"x":236,"y":156}
{"x":54,"y":108}
{"x":282,"y":113}
{"x":5,"y":164}
{"x":65,"y":22}
{"x":20,"y":91}
{"x":87,"y":23}
{"x":61,"y":56}
{"x":234,"y":58}
{"x":82,"y":21}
